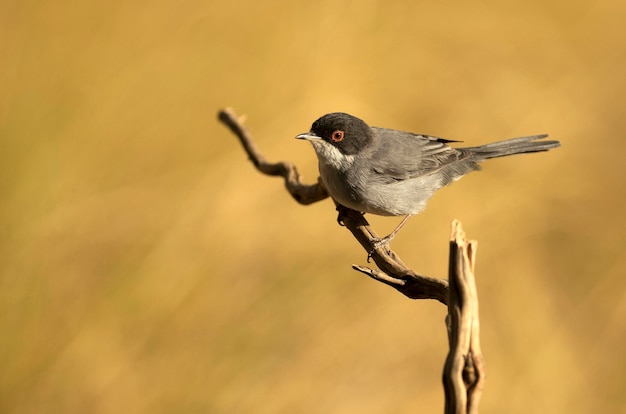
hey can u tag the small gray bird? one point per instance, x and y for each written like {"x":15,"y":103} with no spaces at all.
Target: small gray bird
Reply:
{"x":394,"y":173}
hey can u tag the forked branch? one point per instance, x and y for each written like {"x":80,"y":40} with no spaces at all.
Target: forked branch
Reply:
{"x":464,"y":370}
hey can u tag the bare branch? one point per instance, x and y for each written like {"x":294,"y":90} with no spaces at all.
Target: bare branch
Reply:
{"x":302,"y":193}
{"x":464,"y":371}
{"x":394,"y":272}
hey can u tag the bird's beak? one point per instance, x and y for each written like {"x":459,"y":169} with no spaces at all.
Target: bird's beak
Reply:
{"x":308,"y":136}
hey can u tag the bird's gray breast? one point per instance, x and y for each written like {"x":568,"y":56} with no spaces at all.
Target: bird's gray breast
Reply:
{"x":351,"y":185}
{"x":356,"y":181}
{"x":341,"y":182}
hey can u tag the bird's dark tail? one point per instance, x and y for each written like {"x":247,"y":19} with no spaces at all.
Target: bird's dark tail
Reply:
{"x":511,"y":147}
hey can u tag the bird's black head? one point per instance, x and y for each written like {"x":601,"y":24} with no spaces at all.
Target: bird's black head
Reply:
{"x":346,"y":132}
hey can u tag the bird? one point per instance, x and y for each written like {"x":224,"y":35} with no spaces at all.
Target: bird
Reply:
{"x":389,"y":172}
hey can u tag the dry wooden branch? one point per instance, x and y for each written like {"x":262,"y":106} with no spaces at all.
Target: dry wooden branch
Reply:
{"x":303,"y":193}
{"x":464,"y":371}
{"x":393,"y":271}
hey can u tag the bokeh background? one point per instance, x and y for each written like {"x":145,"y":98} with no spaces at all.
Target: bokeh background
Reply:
{"x":146,"y":267}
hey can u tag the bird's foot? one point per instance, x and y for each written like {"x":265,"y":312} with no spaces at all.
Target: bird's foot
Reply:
{"x":384,"y":242}
{"x":341,"y":212}
{"x":378,"y":244}
{"x":340,"y":220}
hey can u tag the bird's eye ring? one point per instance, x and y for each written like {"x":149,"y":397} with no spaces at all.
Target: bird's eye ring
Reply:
{"x":337,"y":136}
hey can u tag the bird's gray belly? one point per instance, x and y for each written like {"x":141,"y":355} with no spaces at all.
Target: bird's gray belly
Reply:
{"x":385,"y":199}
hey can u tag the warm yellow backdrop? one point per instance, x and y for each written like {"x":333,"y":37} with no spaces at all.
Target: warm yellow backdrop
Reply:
{"x":147,"y":268}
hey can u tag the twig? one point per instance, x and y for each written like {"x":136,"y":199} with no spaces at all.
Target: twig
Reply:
{"x":302,"y":193}
{"x":464,"y":371}
{"x":394,"y":271}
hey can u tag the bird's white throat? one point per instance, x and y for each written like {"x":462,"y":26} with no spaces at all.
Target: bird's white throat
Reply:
{"x":331,"y":156}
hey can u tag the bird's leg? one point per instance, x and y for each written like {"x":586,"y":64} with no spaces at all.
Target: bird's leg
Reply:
{"x":387,"y":239}
{"x":340,"y":213}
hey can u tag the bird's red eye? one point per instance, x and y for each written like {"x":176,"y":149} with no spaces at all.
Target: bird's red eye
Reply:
{"x":337,"y":136}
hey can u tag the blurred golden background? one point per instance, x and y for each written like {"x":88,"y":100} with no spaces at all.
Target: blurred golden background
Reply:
{"x":148,"y":268}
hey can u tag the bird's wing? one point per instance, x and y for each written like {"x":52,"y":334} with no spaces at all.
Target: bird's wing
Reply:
{"x":403,"y":155}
